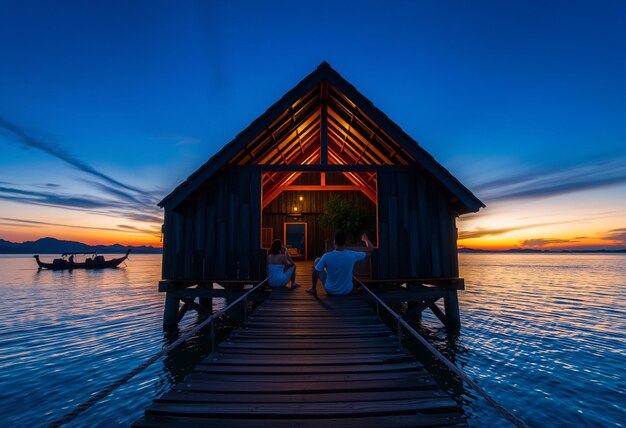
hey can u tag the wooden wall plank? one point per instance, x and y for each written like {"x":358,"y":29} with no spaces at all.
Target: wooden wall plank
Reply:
{"x":382,"y":254}
{"x":187,"y":244}
{"x":424,"y":222}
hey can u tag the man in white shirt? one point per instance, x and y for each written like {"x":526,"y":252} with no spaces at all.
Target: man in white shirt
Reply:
{"x":334,"y":268}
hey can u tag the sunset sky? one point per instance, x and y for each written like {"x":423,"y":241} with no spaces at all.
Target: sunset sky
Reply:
{"x":106,"y":106}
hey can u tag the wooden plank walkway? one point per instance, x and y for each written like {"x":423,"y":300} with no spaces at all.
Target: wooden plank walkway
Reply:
{"x":305,"y":362}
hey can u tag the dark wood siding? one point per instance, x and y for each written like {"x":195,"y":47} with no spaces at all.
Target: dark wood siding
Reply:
{"x":216,"y":234}
{"x":417,"y":228}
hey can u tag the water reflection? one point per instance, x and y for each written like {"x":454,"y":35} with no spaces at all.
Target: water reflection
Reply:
{"x":543,"y":334}
{"x":182,"y":359}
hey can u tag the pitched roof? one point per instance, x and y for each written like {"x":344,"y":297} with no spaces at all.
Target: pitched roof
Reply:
{"x":323,"y":107}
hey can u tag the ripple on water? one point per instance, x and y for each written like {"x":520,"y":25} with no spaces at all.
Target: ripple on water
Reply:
{"x":543,"y":334}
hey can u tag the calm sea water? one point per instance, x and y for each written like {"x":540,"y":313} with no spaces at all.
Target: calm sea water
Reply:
{"x":544,"y":334}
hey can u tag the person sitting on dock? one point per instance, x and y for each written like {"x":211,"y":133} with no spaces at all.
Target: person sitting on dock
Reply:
{"x":334,"y":268}
{"x":280,"y":267}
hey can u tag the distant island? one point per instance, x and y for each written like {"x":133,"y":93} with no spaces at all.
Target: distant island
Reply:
{"x":535,"y":251}
{"x":57,"y":246}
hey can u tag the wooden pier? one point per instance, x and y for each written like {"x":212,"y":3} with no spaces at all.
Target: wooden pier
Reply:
{"x":305,"y":362}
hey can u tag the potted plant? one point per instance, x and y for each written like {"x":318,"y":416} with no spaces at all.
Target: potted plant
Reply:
{"x":348,"y":215}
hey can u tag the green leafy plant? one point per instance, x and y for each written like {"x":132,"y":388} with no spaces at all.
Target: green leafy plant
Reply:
{"x":348,"y":215}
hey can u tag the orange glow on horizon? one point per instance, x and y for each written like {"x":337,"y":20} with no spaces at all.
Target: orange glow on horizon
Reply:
{"x":503,"y":244}
{"x":89,"y":237}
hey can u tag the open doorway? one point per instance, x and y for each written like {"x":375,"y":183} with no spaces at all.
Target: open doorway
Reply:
{"x":302,"y":201}
{"x":295,"y":240}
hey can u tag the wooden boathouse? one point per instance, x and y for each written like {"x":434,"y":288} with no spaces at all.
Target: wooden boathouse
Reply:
{"x":322,"y":138}
{"x":300,"y":361}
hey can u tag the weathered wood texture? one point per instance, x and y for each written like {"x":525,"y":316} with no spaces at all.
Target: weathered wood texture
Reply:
{"x":305,"y":362}
{"x":416,"y":228}
{"x":216,"y":233}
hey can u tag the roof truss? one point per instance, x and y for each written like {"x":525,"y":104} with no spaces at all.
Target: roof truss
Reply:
{"x":297,"y":138}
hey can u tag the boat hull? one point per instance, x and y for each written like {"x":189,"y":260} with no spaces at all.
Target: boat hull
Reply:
{"x":65,"y":265}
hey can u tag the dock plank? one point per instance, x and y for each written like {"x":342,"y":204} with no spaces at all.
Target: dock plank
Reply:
{"x":393,"y":421}
{"x":300,"y":361}
{"x":305,"y":409}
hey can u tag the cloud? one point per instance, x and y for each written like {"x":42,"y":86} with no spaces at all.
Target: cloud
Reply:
{"x":545,"y":184}
{"x":542,"y":242}
{"x":618,"y":235}
{"x":155,"y":230}
{"x":481,"y":232}
{"x":53,"y":199}
{"x":28,"y":141}
{"x":30,"y":223}
{"x":112,"y":198}
{"x":185,"y":140}
{"x":145,"y":199}
{"x":138,"y":216}
{"x":128,"y":209}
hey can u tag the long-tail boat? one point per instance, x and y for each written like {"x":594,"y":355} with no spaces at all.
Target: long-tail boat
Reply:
{"x":94,"y":261}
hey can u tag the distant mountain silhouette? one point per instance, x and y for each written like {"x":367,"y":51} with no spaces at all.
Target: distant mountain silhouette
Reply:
{"x":57,"y":246}
{"x":534,"y":251}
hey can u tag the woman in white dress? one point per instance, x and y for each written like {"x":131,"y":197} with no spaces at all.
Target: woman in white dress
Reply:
{"x":280,"y":267}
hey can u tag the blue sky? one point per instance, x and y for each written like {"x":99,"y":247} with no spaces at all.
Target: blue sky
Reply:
{"x":106,"y":106}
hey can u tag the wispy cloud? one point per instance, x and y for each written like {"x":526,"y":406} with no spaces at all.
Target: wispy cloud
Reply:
{"x":92,"y":204}
{"x":110,"y":197}
{"x":145,"y":198}
{"x":26,"y":140}
{"x":184,"y":140}
{"x":29,"y":223}
{"x":155,"y":230}
{"x":618,"y":235}
{"x":542,"y":242}
{"x":55,"y":199}
{"x":481,"y":232}
{"x":543,"y":184}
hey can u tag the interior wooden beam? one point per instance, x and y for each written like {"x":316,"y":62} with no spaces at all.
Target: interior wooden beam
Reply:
{"x":277,"y":189}
{"x":310,"y":124}
{"x":329,"y":168}
{"x":363,"y":187}
{"x":307,"y":144}
{"x":308,"y":101}
{"x":324,"y":122}
{"x":307,"y":119}
{"x":355,"y":136}
{"x":326,"y":188}
{"x":362,"y":124}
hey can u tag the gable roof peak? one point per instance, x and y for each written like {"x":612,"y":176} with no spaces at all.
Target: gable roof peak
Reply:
{"x":323,"y":65}
{"x":324,"y":73}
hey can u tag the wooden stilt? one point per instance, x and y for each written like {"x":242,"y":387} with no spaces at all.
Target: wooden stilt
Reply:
{"x":206,"y":302}
{"x":170,"y":313}
{"x":453,"y":314}
{"x":438,"y":313}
